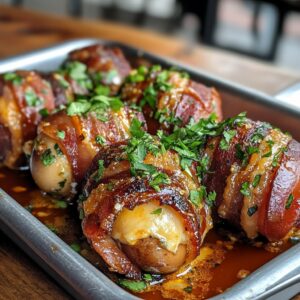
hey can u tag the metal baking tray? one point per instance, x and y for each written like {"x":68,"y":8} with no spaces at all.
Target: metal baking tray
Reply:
{"x":79,"y":277}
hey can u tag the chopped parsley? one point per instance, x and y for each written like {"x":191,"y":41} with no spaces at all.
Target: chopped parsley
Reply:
{"x":13,"y":77}
{"x":75,"y":247}
{"x":102,"y":90}
{"x":98,"y":104}
{"x":227,"y":137}
{"x":256,"y":180}
{"x":32,"y":99}
{"x":196,"y":196}
{"x":100,"y":170}
{"x":61,"y":134}
{"x":135,"y":286}
{"x":100,"y":140}
{"x":60,"y":204}
{"x":289,"y":201}
{"x":159,"y":179}
{"x":245,"y":190}
{"x":156,"y":211}
{"x":78,"y":72}
{"x":147,"y":277}
{"x":44,"y":112}
{"x":47,"y":158}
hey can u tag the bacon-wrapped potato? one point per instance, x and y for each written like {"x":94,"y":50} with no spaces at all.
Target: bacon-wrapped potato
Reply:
{"x":27,"y":96}
{"x":137,"y":215}
{"x":255,"y":172}
{"x":105,"y":65}
{"x":24,"y":97}
{"x":68,"y":140}
{"x":169,"y":97}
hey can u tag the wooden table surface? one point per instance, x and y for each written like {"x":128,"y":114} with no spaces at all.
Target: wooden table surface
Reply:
{"x":22,"y":31}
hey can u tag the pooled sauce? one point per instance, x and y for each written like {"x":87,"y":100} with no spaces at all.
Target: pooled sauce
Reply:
{"x":221,"y":263}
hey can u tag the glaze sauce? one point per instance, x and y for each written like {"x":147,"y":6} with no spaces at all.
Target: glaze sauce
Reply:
{"x":239,"y":259}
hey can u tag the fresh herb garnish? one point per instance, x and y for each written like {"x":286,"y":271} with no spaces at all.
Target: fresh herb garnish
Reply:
{"x":256,"y":180}
{"x":135,"y":286}
{"x":196,"y":196}
{"x":245,"y":190}
{"x":227,"y":137}
{"x":32,"y":99}
{"x":44,"y":112}
{"x":289,"y":201}
{"x":98,"y":104}
{"x":102,"y":90}
{"x":78,"y":72}
{"x":156,"y":211}
{"x":100,"y":170}
{"x":100,"y":140}
{"x":159,"y":179}
{"x":47,"y":157}
{"x":13,"y":77}
{"x":60,"y":204}
{"x":75,"y":247}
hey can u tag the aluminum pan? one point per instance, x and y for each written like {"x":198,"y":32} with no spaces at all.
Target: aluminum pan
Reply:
{"x":72,"y":271}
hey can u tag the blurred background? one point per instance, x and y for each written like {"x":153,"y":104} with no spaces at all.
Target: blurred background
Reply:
{"x":268,"y":30}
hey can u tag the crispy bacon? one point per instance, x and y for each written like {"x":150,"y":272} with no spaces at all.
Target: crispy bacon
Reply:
{"x":106,"y":65}
{"x":20,"y":103}
{"x":254,"y":179}
{"x":79,"y":143}
{"x":184,"y":100}
{"x":103,"y":204}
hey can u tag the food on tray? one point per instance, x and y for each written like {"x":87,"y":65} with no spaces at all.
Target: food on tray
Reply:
{"x":255,"y":171}
{"x":68,"y":140}
{"x":27,"y":96}
{"x":153,"y":167}
{"x":169,"y":97}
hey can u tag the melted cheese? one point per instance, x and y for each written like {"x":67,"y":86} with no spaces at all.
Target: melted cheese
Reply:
{"x":140,"y":223}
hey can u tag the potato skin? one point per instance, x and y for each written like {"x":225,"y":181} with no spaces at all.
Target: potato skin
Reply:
{"x":150,"y":256}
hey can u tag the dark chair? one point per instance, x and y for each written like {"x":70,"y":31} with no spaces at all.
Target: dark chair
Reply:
{"x":207,"y":11}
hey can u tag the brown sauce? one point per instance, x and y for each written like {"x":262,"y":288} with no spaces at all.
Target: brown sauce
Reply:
{"x":235,"y":260}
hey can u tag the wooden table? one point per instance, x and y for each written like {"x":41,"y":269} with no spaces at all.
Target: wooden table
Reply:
{"x":21,"y":31}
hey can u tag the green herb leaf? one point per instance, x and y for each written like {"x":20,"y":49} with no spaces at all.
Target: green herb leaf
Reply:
{"x":289,"y":201}
{"x":100,"y":140}
{"x":156,"y":211}
{"x":61,"y":134}
{"x":100,"y":170}
{"x":135,"y":286}
{"x":196,"y":196}
{"x":102,"y":90}
{"x":47,"y":158}
{"x":60,"y":204}
{"x":228,"y":135}
{"x":32,"y":99}
{"x":147,"y":277}
{"x":256,"y":180}
{"x":159,"y":179}
{"x":13,"y":77}
{"x":44,"y":112}
{"x":245,"y":190}
{"x":211,"y":198}
{"x":75,"y":247}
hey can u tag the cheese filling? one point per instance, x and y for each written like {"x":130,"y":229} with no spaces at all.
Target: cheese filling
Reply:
{"x":150,"y":220}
